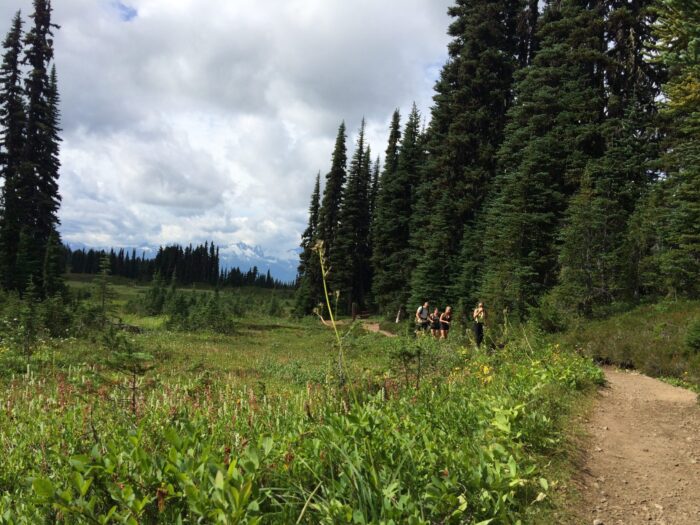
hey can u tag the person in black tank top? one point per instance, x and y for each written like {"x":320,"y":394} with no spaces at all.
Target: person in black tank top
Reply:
{"x":435,"y":323}
{"x":445,"y":321}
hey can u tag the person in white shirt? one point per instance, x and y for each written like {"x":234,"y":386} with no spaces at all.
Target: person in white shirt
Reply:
{"x":422,"y":314}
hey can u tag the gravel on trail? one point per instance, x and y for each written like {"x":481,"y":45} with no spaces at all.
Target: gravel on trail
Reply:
{"x":642,"y":465}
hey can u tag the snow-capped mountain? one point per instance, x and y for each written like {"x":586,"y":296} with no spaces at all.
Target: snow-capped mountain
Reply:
{"x":245,"y":256}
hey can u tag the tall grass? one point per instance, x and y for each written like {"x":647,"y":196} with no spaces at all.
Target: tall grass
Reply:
{"x":469,"y":446}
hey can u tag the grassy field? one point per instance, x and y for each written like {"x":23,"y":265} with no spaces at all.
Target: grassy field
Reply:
{"x":256,"y":422}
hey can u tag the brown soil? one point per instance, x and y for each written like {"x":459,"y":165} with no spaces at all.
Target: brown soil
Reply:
{"x":643,"y":459}
{"x":374,"y":327}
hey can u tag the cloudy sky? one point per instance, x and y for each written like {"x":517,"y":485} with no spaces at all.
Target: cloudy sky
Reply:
{"x":187,"y":120}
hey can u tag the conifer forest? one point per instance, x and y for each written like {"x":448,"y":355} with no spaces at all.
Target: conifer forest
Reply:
{"x":496,"y":312}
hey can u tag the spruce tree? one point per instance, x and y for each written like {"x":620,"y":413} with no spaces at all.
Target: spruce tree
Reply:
{"x":596,"y":259}
{"x":349,"y":255}
{"x":26,"y":260}
{"x":12,"y":123}
{"x":53,"y":269}
{"x":472,"y":97}
{"x":552,"y":134}
{"x":333,"y":193}
{"x":677,"y":243}
{"x":308,"y":294}
{"x":602,"y":271}
{"x":393,"y":259}
{"x":38,"y":180}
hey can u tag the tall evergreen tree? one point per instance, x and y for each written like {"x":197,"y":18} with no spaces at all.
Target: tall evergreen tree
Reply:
{"x":333,"y":193}
{"x":374,"y":188}
{"x":308,"y":294}
{"x":393,"y":260}
{"x":38,"y":181}
{"x":54,"y":267}
{"x":668,"y":224}
{"x":349,"y":256}
{"x":552,"y":134}
{"x":472,"y":97}
{"x":12,"y":123}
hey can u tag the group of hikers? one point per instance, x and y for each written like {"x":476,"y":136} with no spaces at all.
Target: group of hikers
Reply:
{"x":439,"y":323}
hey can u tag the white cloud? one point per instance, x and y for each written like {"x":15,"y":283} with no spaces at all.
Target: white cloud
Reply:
{"x":189,"y":120}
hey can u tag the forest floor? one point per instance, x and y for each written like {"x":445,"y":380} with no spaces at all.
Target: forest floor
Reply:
{"x":642,"y":463}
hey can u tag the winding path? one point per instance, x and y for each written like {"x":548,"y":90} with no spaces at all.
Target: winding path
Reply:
{"x":643,"y":461}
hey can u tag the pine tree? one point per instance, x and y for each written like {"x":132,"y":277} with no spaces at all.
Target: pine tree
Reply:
{"x":308,"y":295}
{"x":669,"y":222}
{"x":26,"y":260}
{"x":374,"y":188}
{"x":333,"y":193}
{"x":349,"y":257}
{"x":53,"y":270}
{"x":553,"y":132}
{"x":393,"y":261}
{"x":104,"y":292}
{"x":595,"y":257}
{"x":38,"y":179}
{"x":12,"y":123}
{"x":472,"y":97}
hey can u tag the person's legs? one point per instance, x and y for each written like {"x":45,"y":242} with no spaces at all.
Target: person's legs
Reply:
{"x":478,"y":333}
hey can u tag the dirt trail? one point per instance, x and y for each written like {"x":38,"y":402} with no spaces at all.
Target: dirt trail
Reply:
{"x":374,"y":327}
{"x":643,"y":462}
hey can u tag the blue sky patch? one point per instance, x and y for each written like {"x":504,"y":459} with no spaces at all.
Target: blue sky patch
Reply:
{"x":126,"y":12}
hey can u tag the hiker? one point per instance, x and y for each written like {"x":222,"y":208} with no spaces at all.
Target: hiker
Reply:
{"x":445,"y":320}
{"x":435,"y":323}
{"x":479,"y":316}
{"x":422,"y":322}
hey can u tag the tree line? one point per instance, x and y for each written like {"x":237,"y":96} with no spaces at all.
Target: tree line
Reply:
{"x":183,"y":266}
{"x":32,"y":255}
{"x":559,"y":171}
{"x":30,"y":244}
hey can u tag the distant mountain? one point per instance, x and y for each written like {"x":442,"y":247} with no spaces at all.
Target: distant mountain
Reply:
{"x":245,"y":256}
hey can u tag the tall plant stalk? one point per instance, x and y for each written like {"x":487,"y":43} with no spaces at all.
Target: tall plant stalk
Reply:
{"x":320,"y":249}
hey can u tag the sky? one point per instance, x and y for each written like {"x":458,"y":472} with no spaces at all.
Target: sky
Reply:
{"x":193,"y":120}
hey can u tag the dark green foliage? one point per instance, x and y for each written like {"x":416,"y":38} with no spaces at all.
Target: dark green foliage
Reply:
{"x":309,"y":292}
{"x":553,"y":133}
{"x":29,"y":320}
{"x":692,"y":337}
{"x":329,"y":211}
{"x":200,"y":312}
{"x":104,"y":294}
{"x":53,"y":267}
{"x":12,"y":122}
{"x":472,"y":97}
{"x":393,"y":224}
{"x":594,"y":256}
{"x":27,"y":260}
{"x":596,"y":263}
{"x":38,"y":174}
{"x":666,"y":228}
{"x":349,"y":258}
{"x":193,"y":264}
{"x":126,"y":357}
{"x":154,"y":301}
